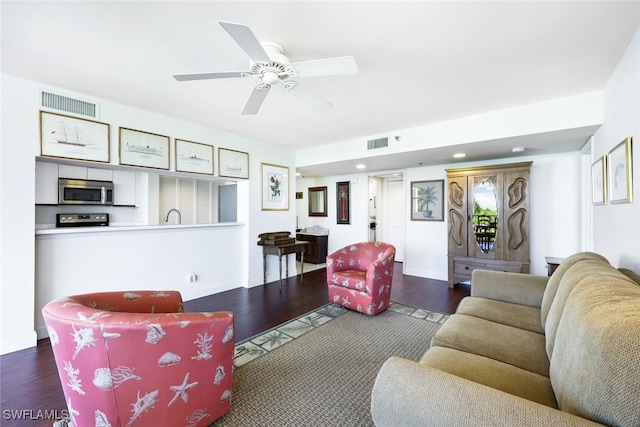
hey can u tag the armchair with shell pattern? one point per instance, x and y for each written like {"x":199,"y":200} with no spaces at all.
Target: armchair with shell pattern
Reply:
{"x":359,"y":276}
{"x":134,"y":359}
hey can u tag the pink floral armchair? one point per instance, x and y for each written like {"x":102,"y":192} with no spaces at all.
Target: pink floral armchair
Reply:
{"x":359,"y":276}
{"x":135,"y":359}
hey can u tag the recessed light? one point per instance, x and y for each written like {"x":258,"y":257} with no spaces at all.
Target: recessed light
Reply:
{"x":459,"y":155}
{"x":517,"y":150}
{"x":360,"y":166}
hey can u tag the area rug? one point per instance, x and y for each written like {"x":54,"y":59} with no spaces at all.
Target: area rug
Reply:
{"x":322,"y":375}
{"x":319,"y":369}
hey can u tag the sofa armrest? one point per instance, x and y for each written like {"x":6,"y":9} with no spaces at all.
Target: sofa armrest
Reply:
{"x":516,"y":288}
{"x":411,"y":394}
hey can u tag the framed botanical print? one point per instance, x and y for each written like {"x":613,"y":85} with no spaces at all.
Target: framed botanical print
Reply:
{"x":599,"y":181}
{"x":275,"y":187}
{"x":620,"y":174}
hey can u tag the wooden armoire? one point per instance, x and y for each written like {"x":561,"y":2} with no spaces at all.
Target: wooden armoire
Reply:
{"x":490,"y":239}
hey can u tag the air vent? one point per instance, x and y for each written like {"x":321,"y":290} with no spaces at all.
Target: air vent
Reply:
{"x":68,"y":105}
{"x":372,"y":144}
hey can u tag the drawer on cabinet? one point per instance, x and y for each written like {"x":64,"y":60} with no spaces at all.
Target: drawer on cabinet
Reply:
{"x":467,"y":267}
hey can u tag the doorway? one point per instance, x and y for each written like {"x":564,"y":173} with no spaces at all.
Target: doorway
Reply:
{"x":387,"y":211}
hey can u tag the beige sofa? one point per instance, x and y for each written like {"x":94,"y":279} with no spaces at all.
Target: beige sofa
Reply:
{"x":526,"y":350}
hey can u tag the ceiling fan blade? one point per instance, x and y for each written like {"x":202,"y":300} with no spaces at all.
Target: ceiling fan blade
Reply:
{"x":205,"y":76}
{"x":256,"y":99}
{"x":247,"y":41}
{"x":309,"y":97}
{"x":326,"y":67}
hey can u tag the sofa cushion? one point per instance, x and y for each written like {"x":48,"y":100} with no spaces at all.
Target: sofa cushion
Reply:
{"x":554,"y":280}
{"x":516,"y":288}
{"x":572,"y":276}
{"x":518,"y":347}
{"x":519,"y":316}
{"x":595,"y":365}
{"x":492,"y":373}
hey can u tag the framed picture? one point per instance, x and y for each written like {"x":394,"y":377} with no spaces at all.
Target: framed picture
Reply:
{"x":275,"y":187}
{"x":194,"y":157}
{"x":73,"y":138}
{"x":343,"y":202}
{"x":620,"y":173}
{"x":233,"y":164}
{"x":598,"y":181}
{"x":427,"y":200}
{"x":138,"y":148}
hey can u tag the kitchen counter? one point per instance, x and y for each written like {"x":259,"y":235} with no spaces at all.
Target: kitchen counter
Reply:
{"x":49,"y":229}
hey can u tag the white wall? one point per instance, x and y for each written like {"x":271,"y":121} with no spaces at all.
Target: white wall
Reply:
{"x":571,"y":112}
{"x":122,"y":258}
{"x":20,"y":146}
{"x":340,"y":235}
{"x":617,"y":226}
{"x":17,"y":215}
{"x":555,"y":204}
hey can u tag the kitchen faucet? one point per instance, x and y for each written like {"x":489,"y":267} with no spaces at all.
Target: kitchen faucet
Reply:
{"x":166,"y":218}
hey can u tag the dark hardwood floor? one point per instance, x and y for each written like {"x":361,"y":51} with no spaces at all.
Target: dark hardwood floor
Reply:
{"x":30,"y":382}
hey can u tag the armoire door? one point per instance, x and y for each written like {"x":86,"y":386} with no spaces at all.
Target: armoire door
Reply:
{"x":485,"y":230}
{"x":457,"y":216}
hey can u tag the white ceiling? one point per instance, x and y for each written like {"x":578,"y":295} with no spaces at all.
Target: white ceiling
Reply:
{"x":419,"y":62}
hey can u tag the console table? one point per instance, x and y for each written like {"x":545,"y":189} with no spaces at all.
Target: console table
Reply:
{"x":291,"y":248}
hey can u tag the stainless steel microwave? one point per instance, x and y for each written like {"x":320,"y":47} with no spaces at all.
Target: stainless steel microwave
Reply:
{"x":84,"y":192}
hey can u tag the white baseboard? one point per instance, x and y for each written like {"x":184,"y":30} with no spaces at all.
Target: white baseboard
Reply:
{"x":19,"y":343}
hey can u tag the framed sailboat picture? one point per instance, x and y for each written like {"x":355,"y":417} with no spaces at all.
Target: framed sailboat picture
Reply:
{"x":73,"y":138}
{"x":138,"y":148}
{"x":194,"y":157}
{"x":233,"y":164}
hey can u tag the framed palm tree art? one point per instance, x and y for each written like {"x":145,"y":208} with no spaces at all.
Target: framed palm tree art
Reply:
{"x":427,"y":200}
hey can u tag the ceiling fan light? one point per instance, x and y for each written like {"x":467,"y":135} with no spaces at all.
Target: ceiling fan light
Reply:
{"x":270,"y":77}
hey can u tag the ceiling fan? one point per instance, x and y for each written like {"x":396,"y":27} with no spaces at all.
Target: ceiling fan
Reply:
{"x":270,"y":66}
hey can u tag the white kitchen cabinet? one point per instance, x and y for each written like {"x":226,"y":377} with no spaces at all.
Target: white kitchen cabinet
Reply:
{"x":124,"y":188}
{"x":46,"y":183}
{"x":99,"y":174}
{"x":72,"y":172}
{"x":47,"y":174}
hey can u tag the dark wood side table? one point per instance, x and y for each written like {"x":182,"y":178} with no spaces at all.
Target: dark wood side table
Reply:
{"x":552,"y":264}
{"x":292,"y":248}
{"x":316,"y":252}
